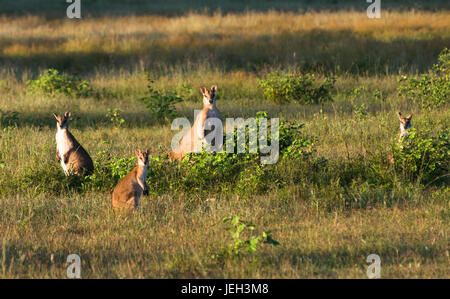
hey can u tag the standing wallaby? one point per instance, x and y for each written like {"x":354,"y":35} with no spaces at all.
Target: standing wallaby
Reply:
{"x":73,"y":157}
{"x":128,"y":192}
{"x":405,"y":124}
{"x":193,"y":140}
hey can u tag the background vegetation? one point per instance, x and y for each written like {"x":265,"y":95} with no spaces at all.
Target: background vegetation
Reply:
{"x":331,"y":200}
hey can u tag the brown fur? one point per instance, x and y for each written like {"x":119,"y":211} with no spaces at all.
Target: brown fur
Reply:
{"x":128,"y":192}
{"x":76,"y":158}
{"x":405,"y":124}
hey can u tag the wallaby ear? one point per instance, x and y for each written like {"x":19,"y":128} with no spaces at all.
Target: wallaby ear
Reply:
{"x":400,"y":115}
{"x":213,"y":91}
{"x":409,"y":117}
{"x":204,"y":91}
{"x":67,"y":114}
{"x":147,"y":151}
{"x":137,"y":152}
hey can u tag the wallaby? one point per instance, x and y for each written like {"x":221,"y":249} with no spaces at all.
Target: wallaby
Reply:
{"x":72,"y":156}
{"x":193,"y":140}
{"x":405,"y":124}
{"x":128,"y":192}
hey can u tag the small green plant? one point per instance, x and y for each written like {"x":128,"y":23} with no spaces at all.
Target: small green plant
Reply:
{"x":422,"y":156}
{"x":431,"y":90}
{"x":161,"y":105}
{"x":302,"y":89}
{"x":115,"y":117}
{"x":51,"y":82}
{"x":360,"y":111}
{"x":379,"y":95}
{"x":242,"y":239}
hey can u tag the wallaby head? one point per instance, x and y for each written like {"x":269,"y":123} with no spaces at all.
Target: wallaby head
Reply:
{"x":209,"y":97}
{"x":62,"y":122}
{"x":142,"y":156}
{"x":405,"y":122}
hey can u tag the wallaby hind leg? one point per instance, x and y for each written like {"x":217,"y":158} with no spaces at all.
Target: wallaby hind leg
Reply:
{"x":132,"y":202}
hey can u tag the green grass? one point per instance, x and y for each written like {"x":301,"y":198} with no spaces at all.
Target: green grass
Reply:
{"x":327,"y":216}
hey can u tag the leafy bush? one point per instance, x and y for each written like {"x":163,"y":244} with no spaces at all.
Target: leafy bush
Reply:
{"x":431,"y":90}
{"x":255,"y":180}
{"x":108,"y":171}
{"x":8,"y":118}
{"x":302,"y":89}
{"x":223,"y":171}
{"x":422,"y":156}
{"x":51,"y":82}
{"x":213,"y":171}
{"x":49,"y":179}
{"x":161,"y":105}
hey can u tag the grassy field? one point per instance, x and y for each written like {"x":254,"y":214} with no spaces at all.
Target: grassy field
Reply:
{"x":328,"y":212}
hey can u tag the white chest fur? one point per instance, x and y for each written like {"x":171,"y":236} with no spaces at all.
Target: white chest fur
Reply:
{"x":142,"y":183}
{"x":63,"y":145}
{"x":142,"y":176}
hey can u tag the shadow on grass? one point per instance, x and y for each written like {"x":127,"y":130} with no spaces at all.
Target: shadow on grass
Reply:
{"x":315,"y":51}
{"x":326,"y":263}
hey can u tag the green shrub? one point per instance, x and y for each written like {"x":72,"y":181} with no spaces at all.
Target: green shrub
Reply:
{"x":302,"y":89}
{"x":108,"y":171}
{"x":161,"y":105}
{"x":214,"y":171}
{"x":431,"y":90}
{"x":255,"y":180}
{"x":224,"y":171}
{"x":51,"y":82}
{"x":423,"y":157}
{"x":8,"y":118}
{"x":49,"y":179}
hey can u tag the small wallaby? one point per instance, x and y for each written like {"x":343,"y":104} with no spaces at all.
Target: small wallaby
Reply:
{"x":405,"y":124}
{"x":72,"y":156}
{"x":128,"y":192}
{"x":193,"y":140}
